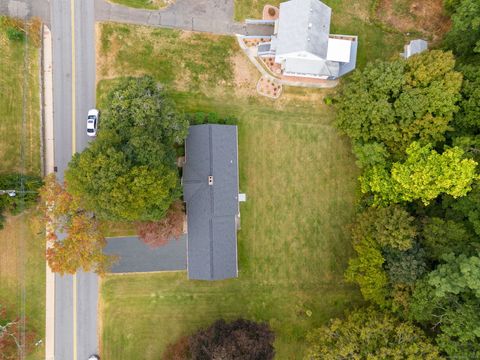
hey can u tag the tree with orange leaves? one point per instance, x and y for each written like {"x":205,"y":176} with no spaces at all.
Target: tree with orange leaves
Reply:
{"x":83,"y":243}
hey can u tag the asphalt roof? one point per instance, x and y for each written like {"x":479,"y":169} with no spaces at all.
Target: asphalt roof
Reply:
{"x":304,"y":25}
{"x":212,"y":209}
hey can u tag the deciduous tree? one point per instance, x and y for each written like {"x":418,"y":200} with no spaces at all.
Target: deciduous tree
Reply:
{"x":16,"y":339}
{"x":370,"y":334}
{"x":424,"y":175}
{"x":159,"y":233}
{"x":129,"y":172}
{"x":81,"y":243}
{"x":396,"y":103}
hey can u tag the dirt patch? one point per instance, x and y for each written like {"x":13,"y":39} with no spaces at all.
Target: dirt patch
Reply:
{"x":245,"y":74}
{"x":418,"y":16}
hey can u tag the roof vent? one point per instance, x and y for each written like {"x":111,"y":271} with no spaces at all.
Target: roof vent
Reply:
{"x":309,"y":25}
{"x":210,"y":180}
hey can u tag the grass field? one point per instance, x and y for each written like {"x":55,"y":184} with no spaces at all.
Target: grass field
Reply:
{"x":144,"y":4}
{"x":19,"y":83}
{"x":22,"y":261}
{"x":299,"y":177}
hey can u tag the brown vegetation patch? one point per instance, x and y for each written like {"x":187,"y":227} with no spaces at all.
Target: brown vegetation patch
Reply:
{"x":270,"y":12}
{"x":272,"y":65}
{"x":269,"y":88}
{"x":424,"y":16}
{"x":252,"y":42}
{"x":245,"y":74}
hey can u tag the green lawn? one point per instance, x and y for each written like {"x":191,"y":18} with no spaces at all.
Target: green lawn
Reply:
{"x":22,"y":246}
{"x":19,"y":127}
{"x":144,"y":4}
{"x":299,"y":177}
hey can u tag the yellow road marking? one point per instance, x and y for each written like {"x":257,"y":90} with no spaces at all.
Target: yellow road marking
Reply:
{"x":74,"y":150}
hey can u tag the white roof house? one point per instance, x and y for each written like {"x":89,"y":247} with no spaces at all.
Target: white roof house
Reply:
{"x":302,"y":43}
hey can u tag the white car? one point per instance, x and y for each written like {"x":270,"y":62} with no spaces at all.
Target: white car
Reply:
{"x":93,"y":357}
{"x":92,"y":122}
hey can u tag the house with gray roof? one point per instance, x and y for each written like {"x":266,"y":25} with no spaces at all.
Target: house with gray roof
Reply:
{"x":415,"y":47}
{"x":211,"y":194}
{"x":302,"y":44}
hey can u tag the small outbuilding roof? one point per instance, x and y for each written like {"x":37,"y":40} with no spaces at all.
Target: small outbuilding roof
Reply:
{"x":210,"y":185}
{"x":303,"y":25}
{"x":415,"y":47}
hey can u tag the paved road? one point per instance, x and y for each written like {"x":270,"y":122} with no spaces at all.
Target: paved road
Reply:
{"x":199,"y":15}
{"x":76,"y":297}
{"x":26,"y":8}
{"x":136,"y":256}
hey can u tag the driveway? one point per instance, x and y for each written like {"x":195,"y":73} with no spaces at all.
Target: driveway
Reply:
{"x":136,"y":256}
{"x":214,"y":16}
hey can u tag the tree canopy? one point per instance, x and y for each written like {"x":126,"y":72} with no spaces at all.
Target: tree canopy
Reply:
{"x":237,"y":340}
{"x":370,"y":334}
{"x":424,"y":175}
{"x":396,"y":103}
{"x":464,"y":36}
{"x":129,"y":172}
{"x":81,"y":243}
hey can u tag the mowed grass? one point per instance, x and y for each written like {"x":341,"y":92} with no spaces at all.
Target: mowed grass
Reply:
{"x":22,"y":273}
{"x":300,"y":179}
{"x":22,"y":245}
{"x":348,"y":18}
{"x":19,"y":124}
{"x":144,"y":4}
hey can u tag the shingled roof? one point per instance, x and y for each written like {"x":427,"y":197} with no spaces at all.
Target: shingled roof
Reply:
{"x":304,"y":25}
{"x":210,"y":185}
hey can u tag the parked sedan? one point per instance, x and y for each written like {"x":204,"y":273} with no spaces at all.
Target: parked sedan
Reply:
{"x":92,"y":122}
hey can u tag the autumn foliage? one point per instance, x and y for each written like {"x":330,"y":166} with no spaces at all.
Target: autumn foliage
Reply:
{"x":159,"y":233}
{"x":81,"y":244}
{"x":15,"y":341}
{"x":239,"y":339}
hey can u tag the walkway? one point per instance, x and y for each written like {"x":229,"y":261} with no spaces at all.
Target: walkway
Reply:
{"x":136,"y":256}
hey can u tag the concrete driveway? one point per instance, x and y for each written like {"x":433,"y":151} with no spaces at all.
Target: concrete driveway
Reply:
{"x":136,"y":256}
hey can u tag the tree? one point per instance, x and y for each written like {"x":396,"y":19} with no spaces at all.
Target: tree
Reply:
{"x":405,"y":267}
{"x":82,"y":247}
{"x":26,"y":187}
{"x":370,"y":154}
{"x":424,"y":175}
{"x":367,"y":271}
{"x":238,"y":340}
{"x":161,"y":232}
{"x":129,"y":172}
{"x":396,"y":103}
{"x":369,"y":334}
{"x":441,"y":237}
{"x":467,"y":207}
{"x":14,"y":344}
{"x":464,"y":36}
{"x":389,"y":226}
{"x":468,"y":117}
{"x":449,"y":299}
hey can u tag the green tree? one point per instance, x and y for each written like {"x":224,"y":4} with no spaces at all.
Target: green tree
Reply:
{"x":405,"y":267}
{"x":449,"y":299}
{"x":446,"y":236}
{"x":367,"y":271}
{"x":468,"y":207}
{"x":424,"y":175}
{"x":468,"y":117}
{"x":370,"y":154}
{"x":26,"y":194}
{"x":390,"y":226}
{"x":396,"y":103}
{"x":464,"y":36}
{"x":129,"y":172}
{"x":369,"y":334}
